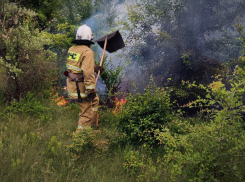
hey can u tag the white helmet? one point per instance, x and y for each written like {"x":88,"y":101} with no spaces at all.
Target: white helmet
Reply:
{"x":84,"y":33}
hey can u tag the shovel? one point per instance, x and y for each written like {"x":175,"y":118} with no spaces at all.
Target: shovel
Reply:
{"x":111,"y":42}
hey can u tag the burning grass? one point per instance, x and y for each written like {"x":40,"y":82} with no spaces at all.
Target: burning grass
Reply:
{"x":119,"y":105}
{"x":59,"y":100}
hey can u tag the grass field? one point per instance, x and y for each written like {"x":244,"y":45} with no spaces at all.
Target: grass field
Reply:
{"x":38,"y":142}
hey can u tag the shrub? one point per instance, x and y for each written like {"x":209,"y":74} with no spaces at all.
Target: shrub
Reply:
{"x":81,"y":141}
{"x":210,"y":152}
{"x":140,"y":164}
{"x":111,"y":77}
{"x":87,"y":140}
{"x":185,"y":92}
{"x":132,"y":162}
{"x":143,"y":113}
{"x":25,"y":64}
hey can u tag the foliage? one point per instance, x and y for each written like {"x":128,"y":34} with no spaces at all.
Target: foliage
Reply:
{"x":46,"y":10}
{"x":183,"y":94}
{"x":37,"y":142}
{"x":104,"y":19}
{"x":132,"y":163}
{"x":73,"y":12}
{"x":208,"y":152}
{"x":28,"y":150}
{"x":26,"y":65}
{"x":183,"y":41}
{"x":224,"y":104}
{"x":62,"y":38}
{"x":211,"y":151}
{"x":53,"y":147}
{"x":51,"y":12}
{"x":28,"y":106}
{"x":87,"y":140}
{"x":140,"y":164}
{"x":143,"y":113}
{"x":31,"y":149}
{"x":81,"y":141}
{"x":163,"y":32}
{"x":111,"y":77}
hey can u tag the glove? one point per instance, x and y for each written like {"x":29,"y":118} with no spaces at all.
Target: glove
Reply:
{"x":91,"y":94}
{"x":65,"y":73}
{"x":97,"y":68}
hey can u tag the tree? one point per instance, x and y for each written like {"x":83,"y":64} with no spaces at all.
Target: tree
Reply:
{"x":25,"y":64}
{"x":46,"y":10}
{"x":74,"y":11}
{"x":174,"y":38}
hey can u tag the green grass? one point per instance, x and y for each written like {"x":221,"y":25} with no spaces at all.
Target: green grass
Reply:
{"x":33,"y":148}
{"x":38,"y":143}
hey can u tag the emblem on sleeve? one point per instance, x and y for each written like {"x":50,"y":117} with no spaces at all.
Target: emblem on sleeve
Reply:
{"x":73,"y":56}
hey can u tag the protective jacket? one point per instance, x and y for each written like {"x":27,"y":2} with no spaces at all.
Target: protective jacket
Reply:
{"x":80,"y":62}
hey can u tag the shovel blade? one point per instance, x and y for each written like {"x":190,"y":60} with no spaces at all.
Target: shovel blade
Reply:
{"x":114,"y":42}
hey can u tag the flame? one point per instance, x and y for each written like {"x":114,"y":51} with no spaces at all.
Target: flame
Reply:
{"x":61,"y":101}
{"x":119,"y":104}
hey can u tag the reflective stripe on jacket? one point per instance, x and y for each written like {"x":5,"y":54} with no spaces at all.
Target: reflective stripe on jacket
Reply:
{"x":74,"y":95}
{"x":73,"y":68}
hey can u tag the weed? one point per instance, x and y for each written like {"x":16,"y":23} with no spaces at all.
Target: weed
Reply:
{"x":30,"y":106}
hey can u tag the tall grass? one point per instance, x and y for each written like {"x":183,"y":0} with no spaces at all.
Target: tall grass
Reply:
{"x":38,"y":142}
{"x":36,"y":138}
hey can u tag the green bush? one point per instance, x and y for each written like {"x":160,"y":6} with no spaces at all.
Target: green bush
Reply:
{"x":132,"y":162}
{"x":111,"y":77}
{"x":25,"y":64}
{"x":140,"y":164}
{"x":209,"y":152}
{"x":143,"y":113}
{"x":184,"y":93}
{"x":87,"y":140}
{"x":81,"y":141}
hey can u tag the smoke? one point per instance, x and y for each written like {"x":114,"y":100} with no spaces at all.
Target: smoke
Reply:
{"x":106,"y":20}
{"x":203,"y":31}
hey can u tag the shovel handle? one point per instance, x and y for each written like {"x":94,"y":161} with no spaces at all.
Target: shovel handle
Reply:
{"x":101,"y":61}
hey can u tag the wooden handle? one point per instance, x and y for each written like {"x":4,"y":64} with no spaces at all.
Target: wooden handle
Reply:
{"x":101,"y":61}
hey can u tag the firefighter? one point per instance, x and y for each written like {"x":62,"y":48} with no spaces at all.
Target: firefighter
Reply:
{"x":81,"y":79}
